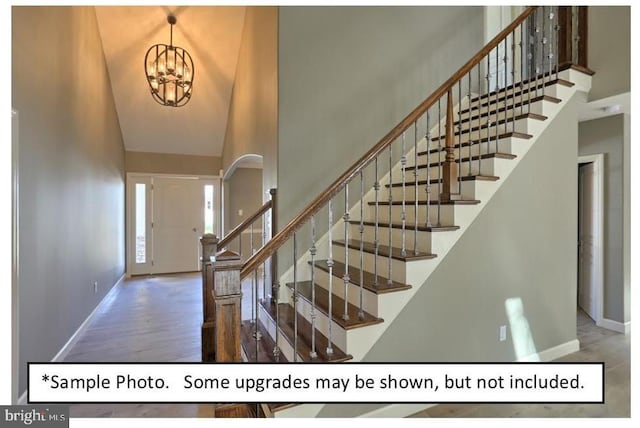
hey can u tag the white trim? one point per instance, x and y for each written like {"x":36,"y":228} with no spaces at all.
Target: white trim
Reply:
{"x":553,"y":353}
{"x":249,"y":158}
{"x":15,"y":254}
{"x":598,"y":200}
{"x":397,"y":410}
{"x":624,"y":328}
{"x":64,"y":351}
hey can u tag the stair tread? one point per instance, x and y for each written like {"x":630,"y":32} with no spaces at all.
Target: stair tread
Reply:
{"x":475,"y":141}
{"x":504,"y":135}
{"x":495,"y":155}
{"x":437,"y":180}
{"x":534,"y":116}
{"x":286,"y":325}
{"x":241,"y":410}
{"x":265,"y":344}
{"x":432,"y":202}
{"x":383,"y":250}
{"x":551,"y":82}
{"x":368,"y":278}
{"x":519,"y":103}
{"x":337,"y":309}
{"x":409,"y":226}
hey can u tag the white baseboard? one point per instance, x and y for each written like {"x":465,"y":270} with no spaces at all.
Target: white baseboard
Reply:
{"x":624,"y":328}
{"x":553,"y":353}
{"x":64,"y":351}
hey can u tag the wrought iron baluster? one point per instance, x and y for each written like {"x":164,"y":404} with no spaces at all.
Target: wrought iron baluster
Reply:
{"x":497,"y":122}
{"x":440,"y":176}
{"x":345,"y":276}
{"x":255,"y":294}
{"x":513,"y":81}
{"x":415,"y":187}
{"x":460,"y":136}
{"x":427,"y":187}
{"x":276,"y":348}
{"x":544,"y":44}
{"x":295,"y":298}
{"x":376,"y":237}
{"x":470,"y":123}
{"x":361,"y":311}
{"x":403,"y":165}
{"x":330,"y":266}
{"x":557,"y":28}
{"x":522,"y":68}
{"x":390,"y":202}
{"x":552,"y":40}
{"x":264,"y":264}
{"x":313,"y":354}
{"x":506,"y":86}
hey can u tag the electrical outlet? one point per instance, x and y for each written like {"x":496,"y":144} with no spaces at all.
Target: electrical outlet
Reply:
{"x":503,"y":333}
{"x":240,"y":213}
{"x":95,"y":287}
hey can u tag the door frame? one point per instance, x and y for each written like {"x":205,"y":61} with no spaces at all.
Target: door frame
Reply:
{"x":129,"y":206}
{"x":598,"y":225}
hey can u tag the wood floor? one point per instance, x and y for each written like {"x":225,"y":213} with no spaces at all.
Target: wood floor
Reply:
{"x":158,"y":318}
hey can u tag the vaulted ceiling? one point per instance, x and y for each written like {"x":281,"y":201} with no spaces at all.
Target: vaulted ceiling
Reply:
{"x":212,"y":35}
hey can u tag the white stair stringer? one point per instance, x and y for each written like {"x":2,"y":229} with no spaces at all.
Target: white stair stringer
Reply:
{"x":388,"y":306}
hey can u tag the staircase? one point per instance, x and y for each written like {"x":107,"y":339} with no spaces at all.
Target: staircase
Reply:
{"x":350,"y":272}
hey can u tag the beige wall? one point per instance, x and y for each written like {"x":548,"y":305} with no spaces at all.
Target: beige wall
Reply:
{"x":71,"y":174}
{"x":165,"y":163}
{"x":609,"y":50}
{"x":244,"y":193}
{"x":252,"y":124}
{"x":522,"y":246}
{"x":348,"y":75}
{"x":607,"y":136}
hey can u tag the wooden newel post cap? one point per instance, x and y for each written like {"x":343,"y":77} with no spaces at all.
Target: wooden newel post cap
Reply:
{"x":209,"y":242}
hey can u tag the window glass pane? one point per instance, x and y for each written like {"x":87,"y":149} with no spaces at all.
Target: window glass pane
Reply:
{"x":141,"y":225}
{"x":208,"y":208}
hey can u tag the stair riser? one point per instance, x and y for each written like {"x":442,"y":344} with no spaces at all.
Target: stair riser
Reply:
{"x":536,"y":106}
{"x":424,"y":238}
{"x":548,"y":90}
{"x":523,"y":125}
{"x":504,"y":146}
{"x":338,"y":334}
{"x":369,"y":299}
{"x":398,"y":271}
{"x":270,"y":326}
{"x":482,"y":166}
{"x":468,"y":192}
{"x":447,"y":213}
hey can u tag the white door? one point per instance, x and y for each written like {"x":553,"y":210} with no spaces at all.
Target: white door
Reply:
{"x":586,"y":240}
{"x":178,"y":223}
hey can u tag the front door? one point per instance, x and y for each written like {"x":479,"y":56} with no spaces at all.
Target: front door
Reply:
{"x":168,"y":215}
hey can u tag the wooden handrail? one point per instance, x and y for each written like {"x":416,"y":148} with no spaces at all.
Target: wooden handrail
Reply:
{"x":242,"y":226}
{"x":283,"y":235}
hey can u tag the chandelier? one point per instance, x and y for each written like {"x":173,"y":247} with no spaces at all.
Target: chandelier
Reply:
{"x":169,"y":70}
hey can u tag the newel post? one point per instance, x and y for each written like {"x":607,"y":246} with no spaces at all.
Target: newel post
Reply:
{"x":274,"y":257}
{"x":449,"y":166}
{"x":227,"y":297}
{"x":209,"y":244}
